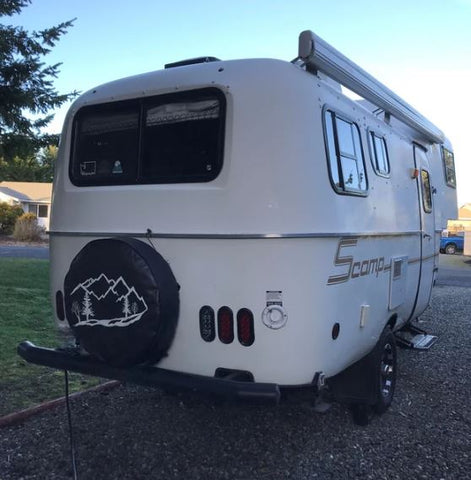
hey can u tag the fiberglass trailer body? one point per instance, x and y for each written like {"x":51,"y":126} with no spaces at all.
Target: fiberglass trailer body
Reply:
{"x":237,"y":226}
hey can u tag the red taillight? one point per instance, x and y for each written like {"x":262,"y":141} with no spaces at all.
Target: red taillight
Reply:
{"x":245,"y":327}
{"x":225,"y":325}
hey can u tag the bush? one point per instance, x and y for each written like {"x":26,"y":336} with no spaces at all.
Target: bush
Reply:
{"x":27,"y":228}
{"x":8,"y":216}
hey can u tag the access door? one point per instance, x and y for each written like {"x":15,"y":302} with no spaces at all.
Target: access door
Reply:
{"x":428,"y":256}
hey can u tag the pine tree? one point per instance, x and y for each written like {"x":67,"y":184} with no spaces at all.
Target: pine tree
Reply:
{"x":27,"y":93}
{"x":126,"y":309}
{"x":87,"y":306}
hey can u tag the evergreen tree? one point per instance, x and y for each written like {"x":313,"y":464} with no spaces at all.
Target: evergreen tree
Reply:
{"x":87,"y":306}
{"x":126,"y":309}
{"x":27,"y":96}
{"x":26,"y":82}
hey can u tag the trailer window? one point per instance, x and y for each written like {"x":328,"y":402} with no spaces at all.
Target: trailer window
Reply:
{"x":379,"y":154}
{"x":176,"y":138}
{"x":426,"y":191}
{"x":345,"y":155}
{"x":181,"y":141}
{"x":106,"y":145}
{"x":449,"y":166}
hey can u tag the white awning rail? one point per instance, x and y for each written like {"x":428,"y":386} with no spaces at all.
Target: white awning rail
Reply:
{"x":319,"y":55}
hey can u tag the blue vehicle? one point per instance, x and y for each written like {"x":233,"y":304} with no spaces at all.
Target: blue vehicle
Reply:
{"x":451,"y":245}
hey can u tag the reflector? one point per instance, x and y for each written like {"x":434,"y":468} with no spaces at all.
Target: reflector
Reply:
{"x":207,"y":324}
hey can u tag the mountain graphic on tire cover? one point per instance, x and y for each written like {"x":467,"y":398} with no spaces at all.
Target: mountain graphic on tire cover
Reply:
{"x":106,"y":302}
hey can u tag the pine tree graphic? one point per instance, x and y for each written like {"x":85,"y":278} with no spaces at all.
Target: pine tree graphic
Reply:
{"x":87,"y":306}
{"x":126,"y":309}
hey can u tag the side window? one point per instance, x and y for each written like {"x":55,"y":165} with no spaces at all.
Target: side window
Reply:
{"x":449,"y":166}
{"x":426,"y":191}
{"x":379,"y":154}
{"x":345,"y":155}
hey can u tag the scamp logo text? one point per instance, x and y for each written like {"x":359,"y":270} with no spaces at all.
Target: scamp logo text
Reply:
{"x":353,"y":268}
{"x":106,"y":302}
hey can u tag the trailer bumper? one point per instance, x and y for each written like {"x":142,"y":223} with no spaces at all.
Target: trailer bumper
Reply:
{"x":148,"y":375}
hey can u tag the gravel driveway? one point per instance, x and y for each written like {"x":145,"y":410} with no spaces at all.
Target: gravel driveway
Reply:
{"x":138,"y":433}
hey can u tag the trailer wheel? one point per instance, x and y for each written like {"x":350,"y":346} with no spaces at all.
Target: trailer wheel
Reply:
{"x":450,"y":249}
{"x":122,"y":301}
{"x":380,"y":369}
{"x":386,"y":355}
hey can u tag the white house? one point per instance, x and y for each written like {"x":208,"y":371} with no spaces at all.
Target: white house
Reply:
{"x":33,"y":197}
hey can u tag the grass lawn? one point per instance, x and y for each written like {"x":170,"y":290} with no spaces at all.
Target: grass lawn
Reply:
{"x":26,"y":314}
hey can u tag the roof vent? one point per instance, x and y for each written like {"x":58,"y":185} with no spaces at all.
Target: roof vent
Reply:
{"x":192,"y":61}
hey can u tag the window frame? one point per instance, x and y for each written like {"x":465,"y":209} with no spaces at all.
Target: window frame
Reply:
{"x":35,"y":208}
{"x":372,"y":134}
{"x":142,"y":105}
{"x":330,"y":114}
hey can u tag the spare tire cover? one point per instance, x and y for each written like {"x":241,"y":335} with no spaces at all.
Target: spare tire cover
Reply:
{"x":122,"y":301}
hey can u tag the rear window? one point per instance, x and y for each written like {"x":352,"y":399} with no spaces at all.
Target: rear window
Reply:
{"x":177,"y":138}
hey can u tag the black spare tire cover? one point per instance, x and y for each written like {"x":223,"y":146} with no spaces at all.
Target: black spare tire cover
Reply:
{"x":122,"y":301}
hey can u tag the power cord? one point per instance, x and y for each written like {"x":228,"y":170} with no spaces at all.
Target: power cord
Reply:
{"x":69,"y":420}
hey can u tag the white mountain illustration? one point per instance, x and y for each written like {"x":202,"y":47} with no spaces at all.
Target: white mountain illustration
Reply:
{"x":106,"y":302}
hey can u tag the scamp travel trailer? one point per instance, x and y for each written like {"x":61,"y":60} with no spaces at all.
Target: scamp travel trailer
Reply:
{"x":242,"y":226}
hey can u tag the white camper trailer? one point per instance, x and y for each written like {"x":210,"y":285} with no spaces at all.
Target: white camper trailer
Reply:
{"x":243,"y":226}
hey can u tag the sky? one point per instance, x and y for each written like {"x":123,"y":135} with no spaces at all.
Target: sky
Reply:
{"x":420,"y":49}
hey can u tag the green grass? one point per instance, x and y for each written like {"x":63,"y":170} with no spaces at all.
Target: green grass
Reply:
{"x":26,"y":314}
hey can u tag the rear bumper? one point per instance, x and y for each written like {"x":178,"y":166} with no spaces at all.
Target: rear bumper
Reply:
{"x":148,"y":375}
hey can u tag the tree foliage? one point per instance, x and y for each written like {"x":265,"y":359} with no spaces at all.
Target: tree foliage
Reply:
{"x":27,"y":97}
{"x":27,"y":92}
{"x":8,"y":217}
{"x":27,"y":228}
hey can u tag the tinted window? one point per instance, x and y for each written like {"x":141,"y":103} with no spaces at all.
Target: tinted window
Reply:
{"x":345,"y":155}
{"x":449,"y":166}
{"x":426,"y":191}
{"x":180,"y":140}
{"x":174,"y":138}
{"x":106,"y":145}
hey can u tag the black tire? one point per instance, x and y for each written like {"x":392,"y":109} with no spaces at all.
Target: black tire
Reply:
{"x":122,"y":301}
{"x":379,"y":368}
{"x":385,"y":370}
{"x":450,"y":249}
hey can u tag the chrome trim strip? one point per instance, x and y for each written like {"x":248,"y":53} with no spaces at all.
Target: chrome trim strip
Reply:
{"x":423,"y":259}
{"x":240,"y":236}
